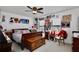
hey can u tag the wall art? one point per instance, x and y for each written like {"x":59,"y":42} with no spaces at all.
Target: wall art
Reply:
{"x":24,"y":21}
{"x":66,"y":21}
{"x":3,"y":18}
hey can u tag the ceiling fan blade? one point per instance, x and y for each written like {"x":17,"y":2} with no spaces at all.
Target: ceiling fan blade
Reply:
{"x":40,"y":8}
{"x":29,"y":7}
{"x":40,"y":12}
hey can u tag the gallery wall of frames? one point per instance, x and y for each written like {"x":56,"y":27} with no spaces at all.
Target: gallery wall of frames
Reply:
{"x":12,"y":21}
{"x":15,"y":20}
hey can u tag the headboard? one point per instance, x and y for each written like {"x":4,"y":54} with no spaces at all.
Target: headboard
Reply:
{"x":13,"y":30}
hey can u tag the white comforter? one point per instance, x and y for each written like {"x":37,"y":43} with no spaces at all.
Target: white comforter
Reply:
{"x":17,"y":37}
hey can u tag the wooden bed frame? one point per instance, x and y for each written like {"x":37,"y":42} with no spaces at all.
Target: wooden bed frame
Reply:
{"x":31,"y":41}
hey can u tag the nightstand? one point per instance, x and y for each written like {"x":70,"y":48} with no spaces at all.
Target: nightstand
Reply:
{"x":6,"y":47}
{"x":9,"y":34}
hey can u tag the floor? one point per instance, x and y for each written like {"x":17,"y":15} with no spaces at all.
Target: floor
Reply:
{"x":50,"y":46}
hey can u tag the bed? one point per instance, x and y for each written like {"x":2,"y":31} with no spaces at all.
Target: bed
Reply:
{"x":28,"y":40}
{"x":17,"y":36}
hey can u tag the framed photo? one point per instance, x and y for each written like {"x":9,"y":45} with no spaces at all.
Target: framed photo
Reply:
{"x":24,"y":21}
{"x":3,"y":18}
{"x":66,"y":21}
{"x":16,"y":20}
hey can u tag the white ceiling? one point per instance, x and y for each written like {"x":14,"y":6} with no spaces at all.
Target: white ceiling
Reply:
{"x":46,"y":9}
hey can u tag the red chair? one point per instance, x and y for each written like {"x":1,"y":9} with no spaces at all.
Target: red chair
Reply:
{"x":61,"y":36}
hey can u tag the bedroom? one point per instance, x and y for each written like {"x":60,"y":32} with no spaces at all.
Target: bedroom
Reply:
{"x":21,"y":19}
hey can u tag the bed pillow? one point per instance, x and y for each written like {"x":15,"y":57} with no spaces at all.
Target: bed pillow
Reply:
{"x":25,"y":31}
{"x":33,"y":30}
{"x":18,"y":31}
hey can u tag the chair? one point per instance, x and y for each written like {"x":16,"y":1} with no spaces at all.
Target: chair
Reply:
{"x":61,"y":36}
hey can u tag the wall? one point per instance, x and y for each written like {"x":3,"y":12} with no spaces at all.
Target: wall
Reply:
{"x":9,"y":26}
{"x":73,"y":25}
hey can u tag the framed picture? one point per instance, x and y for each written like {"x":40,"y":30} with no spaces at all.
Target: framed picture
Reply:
{"x":3,"y":18}
{"x":24,"y":21}
{"x":16,"y":20}
{"x":66,"y":21}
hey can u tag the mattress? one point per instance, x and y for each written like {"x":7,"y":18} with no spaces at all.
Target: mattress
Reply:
{"x":17,"y":37}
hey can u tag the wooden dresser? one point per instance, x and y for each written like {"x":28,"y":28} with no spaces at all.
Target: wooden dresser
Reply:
{"x":5,"y":47}
{"x":75,"y":44}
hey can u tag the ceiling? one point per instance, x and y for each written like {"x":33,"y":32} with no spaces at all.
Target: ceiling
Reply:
{"x":46,"y":9}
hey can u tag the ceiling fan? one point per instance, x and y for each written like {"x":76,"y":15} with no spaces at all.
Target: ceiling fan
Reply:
{"x":34,"y":10}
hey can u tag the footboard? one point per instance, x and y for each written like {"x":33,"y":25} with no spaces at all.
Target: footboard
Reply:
{"x":30,"y":35}
{"x":32,"y":40}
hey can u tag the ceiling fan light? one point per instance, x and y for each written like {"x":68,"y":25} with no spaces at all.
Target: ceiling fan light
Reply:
{"x":34,"y":12}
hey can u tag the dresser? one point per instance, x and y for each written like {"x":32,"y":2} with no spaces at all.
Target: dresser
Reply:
{"x":75,"y":44}
{"x":5,"y":43}
{"x":6,"y":47}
